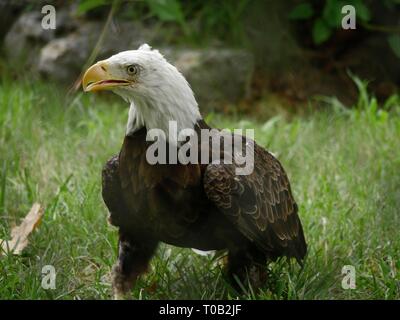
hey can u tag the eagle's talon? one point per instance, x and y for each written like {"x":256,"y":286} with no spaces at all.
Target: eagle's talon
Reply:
{"x":121,"y":284}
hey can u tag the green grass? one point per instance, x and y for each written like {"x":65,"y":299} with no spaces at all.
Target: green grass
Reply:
{"x":343,"y":165}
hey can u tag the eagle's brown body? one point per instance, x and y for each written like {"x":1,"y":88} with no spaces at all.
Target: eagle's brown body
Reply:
{"x":200,"y":206}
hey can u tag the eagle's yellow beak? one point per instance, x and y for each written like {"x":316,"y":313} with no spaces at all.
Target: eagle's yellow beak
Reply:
{"x":98,"y":78}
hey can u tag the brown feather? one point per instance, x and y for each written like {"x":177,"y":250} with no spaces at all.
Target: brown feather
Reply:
{"x":202,"y":206}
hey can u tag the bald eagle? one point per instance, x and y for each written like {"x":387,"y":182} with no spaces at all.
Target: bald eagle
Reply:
{"x":201,"y":205}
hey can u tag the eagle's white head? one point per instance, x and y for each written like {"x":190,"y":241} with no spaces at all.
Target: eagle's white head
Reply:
{"x":156,"y":90}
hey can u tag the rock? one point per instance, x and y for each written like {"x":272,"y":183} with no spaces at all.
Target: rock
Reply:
{"x":8,"y":14}
{"x":26,"y":37}
{"x":63,"y":59}
{"x":217,"y":76}
{"x":268,"y":33}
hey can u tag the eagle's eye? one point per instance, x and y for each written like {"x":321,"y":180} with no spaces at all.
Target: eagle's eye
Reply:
{"x":132,"y":70}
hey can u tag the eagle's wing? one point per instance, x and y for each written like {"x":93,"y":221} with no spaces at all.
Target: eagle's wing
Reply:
{"x":260,"y":205}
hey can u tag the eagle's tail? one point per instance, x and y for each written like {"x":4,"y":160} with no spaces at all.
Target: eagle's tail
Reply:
{"x":299,"y":248}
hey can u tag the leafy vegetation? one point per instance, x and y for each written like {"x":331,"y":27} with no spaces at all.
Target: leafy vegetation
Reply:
{"x":197,"y":20}
{"x":326,"y":19}
{"x":200,"y":20}
{"x":329,"y":18}
{"x":343,"y":163}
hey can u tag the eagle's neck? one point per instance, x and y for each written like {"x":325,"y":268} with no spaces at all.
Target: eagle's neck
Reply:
{"x":158,"y":113}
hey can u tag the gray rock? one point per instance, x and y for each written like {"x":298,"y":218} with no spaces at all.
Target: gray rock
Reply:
{"x":64,"y":58}
{"x":26,"y":37}
{"x":9,"y":12}
{"x":216,"y":76}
